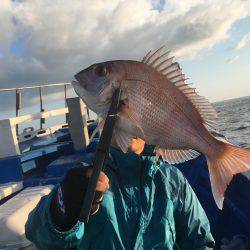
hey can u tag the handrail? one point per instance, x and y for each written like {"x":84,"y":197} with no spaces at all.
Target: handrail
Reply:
{"x":39,"y":87}
{"x":35,"y":86}
{"x":45,"y":114}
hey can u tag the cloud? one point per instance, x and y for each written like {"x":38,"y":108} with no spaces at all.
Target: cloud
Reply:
{"x":7,"y":27}
{"x":232,"y":59}
{"x":63,"y":37}
{"x":242,"y":43}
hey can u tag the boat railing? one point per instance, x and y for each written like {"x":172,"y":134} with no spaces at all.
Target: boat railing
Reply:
{"x":40,"y":88}
{"x":9,"y":127}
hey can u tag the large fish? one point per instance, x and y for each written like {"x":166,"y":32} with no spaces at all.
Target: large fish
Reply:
{"x":159,"y":107}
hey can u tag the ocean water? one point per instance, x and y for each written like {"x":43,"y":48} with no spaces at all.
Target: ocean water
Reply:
{"x":234,"y":120}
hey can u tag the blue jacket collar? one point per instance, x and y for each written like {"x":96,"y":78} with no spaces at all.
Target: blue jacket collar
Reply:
{"x":131,"y":162}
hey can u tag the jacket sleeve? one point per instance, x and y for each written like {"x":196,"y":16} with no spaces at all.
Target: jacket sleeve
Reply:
{"x":192,"y":225}
{"x":39,"y":228}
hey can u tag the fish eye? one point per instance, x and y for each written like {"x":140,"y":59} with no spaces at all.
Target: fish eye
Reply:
{"x":100,"y":70}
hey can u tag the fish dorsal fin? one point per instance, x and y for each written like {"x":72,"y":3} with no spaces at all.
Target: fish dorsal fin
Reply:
{"x":163,"y":63}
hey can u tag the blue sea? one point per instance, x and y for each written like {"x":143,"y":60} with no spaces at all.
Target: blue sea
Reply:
{"x":234,"y":120}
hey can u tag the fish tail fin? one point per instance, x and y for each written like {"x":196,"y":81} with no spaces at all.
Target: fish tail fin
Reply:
{"x":230,"y":161}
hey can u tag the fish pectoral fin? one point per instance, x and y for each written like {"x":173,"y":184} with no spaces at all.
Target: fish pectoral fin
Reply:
{"x":173,"y":156}
{"x":98,"y":128}
{"x":127,"y":113}
{"x":123,"y":139}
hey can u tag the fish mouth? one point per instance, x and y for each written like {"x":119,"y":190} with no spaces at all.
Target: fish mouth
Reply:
{"x":75,"y":83}
{"x":94,"y":102}
{"x":78,"y":89}
{"x":80,"y":78}
{"x":99,"y":100}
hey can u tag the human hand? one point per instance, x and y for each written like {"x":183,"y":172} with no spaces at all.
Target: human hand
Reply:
{"x":67,"y":204}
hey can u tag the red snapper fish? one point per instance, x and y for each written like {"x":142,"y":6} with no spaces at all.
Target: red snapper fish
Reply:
{"x":159,"y":107}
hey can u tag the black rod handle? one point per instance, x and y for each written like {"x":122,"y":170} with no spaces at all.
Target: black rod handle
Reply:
{"x":101,"y":155}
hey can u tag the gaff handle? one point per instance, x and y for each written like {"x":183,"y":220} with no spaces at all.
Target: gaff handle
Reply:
{"x":101,"y":155}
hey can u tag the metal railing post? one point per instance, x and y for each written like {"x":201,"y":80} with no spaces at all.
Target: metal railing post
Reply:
{"x":42,"y":120}
{"x":65,"y":95}
{"x":18,"y":106}
{"x":65,"y":99}
{"x":39,"y":87}
{"x":88,"y":113}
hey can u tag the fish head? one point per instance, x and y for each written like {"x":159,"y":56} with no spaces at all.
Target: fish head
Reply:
{"x":96,"y":84}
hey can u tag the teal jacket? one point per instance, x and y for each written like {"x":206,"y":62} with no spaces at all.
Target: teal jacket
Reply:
{"x":149,"y":205}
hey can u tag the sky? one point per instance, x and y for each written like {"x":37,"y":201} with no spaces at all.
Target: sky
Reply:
{"x":44,"y":41}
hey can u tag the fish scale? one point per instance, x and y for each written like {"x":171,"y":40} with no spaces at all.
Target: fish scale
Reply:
{"x":163,"y":117}
{"x":162,"y":109}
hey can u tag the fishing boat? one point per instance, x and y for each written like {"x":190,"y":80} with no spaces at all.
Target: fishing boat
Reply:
{"x":34,"y":160}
